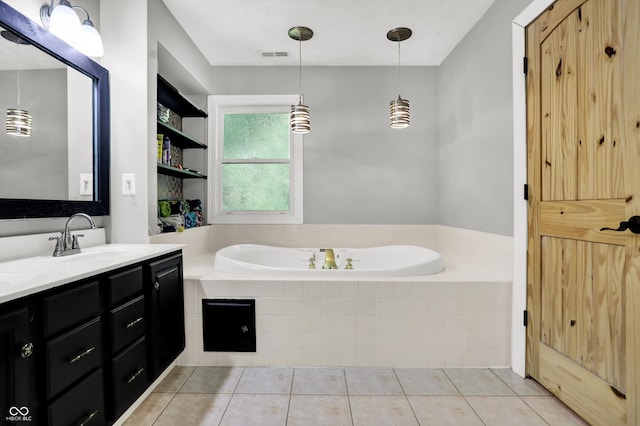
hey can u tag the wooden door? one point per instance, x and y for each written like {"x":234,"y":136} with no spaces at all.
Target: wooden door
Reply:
{"x":583,"y":142}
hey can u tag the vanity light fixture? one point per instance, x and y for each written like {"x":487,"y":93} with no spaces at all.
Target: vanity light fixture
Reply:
{"x":299,"y":115}
{"x":63,"y":21}
{"x":399,"y":108}
{"x":18,"y":121}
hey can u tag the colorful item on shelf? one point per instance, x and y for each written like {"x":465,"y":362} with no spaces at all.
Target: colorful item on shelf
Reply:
{"x":164,"y":210}
{"x":177,"y":215}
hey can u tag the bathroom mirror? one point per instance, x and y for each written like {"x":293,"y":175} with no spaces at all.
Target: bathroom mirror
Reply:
{"x":63,"y":168}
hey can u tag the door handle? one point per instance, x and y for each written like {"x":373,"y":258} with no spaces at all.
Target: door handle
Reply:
{"x":633,"y":225}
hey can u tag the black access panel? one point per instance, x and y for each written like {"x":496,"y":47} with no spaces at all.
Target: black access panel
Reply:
{"x":229,"y":325}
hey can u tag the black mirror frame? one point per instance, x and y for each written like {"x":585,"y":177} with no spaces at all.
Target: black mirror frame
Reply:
{"x":12,"y":208}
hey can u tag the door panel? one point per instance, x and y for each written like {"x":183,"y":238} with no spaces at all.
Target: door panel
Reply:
{"x":583,"y":147}
{"x":587,"y":275}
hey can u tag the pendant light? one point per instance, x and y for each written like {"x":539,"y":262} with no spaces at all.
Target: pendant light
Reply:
{"x":299,"y":115}
{"x":399,"y":108}
{"x":18,"y":121}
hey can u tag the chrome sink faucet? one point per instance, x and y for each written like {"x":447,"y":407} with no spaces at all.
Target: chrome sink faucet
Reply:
{"x":67,"y":243}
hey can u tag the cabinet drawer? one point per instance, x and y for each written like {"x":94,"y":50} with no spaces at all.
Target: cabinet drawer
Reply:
{"x":125,"y":284}
{"x":83,"y":404}
{"x":70,"y":307}
{"x":72,"y":355}
{"x":127,"y":323}
{"x":129,"y":379}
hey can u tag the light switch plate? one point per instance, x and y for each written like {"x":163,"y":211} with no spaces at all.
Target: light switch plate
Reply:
{"x":128,"y":184}
{"x":86,"y":184}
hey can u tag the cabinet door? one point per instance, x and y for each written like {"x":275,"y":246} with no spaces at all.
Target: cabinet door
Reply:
{"x":17,"y":367}
{"x":165,"y":305}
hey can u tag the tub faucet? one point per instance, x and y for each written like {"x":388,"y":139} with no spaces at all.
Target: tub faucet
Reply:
{"x":329,"y":259}
{"x":67,"y":243}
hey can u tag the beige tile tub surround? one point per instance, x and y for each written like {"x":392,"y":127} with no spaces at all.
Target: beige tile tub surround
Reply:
{"x":405,"y":324}
{"x":460,"y":317}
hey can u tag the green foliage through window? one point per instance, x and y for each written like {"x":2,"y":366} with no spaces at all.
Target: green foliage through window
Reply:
{"x":254,"y":187}
{"x":256,"y":162}
{"x":261,"y":135}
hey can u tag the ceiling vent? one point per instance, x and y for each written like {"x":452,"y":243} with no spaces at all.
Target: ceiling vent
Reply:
{"x":274,"y":54}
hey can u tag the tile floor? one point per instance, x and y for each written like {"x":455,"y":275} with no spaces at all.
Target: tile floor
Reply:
{"x":349,"y":396}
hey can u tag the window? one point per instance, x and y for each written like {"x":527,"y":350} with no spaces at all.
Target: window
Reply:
{"x":257,"y":161}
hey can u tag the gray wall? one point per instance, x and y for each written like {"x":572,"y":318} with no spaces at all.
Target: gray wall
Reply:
{"x":36,"y":166}
{"x":357,"y":170}
{"x":476,"y":126}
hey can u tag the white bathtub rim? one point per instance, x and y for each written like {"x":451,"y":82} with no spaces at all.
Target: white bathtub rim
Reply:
{"x":433,"y":264}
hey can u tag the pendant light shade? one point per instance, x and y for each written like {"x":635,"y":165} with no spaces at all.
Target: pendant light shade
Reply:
{"x":300,"y":115}
{"x":18,"y":122}
{"x":399,"y":108}
{"x":300,"y":118}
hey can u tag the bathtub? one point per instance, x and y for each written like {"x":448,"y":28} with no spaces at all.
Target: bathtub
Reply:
{"x":384,"y":261}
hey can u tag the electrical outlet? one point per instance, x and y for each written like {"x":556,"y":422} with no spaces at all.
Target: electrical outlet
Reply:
{"x":86,"y":184}
{"x":128,"y":184}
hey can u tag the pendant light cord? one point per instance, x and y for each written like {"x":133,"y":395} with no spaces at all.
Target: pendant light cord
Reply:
{"x":18,"y":71}
{"x":300,"y":66}
{"x":398,"y":65}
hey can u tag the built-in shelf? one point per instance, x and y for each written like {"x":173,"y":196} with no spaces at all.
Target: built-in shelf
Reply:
{"x":179,"y":173}
{"x":179,"y":138}
{"x":171,"y":98}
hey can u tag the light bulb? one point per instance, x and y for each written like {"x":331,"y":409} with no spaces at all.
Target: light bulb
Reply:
{"x":89,"y":41}
{"x":64,"y":23}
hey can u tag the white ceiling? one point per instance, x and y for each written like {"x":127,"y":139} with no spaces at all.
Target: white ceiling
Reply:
{"x":346,"y":32}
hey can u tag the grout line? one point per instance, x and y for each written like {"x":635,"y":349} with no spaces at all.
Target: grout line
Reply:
{"x":293,"y":377}
{"x":233,"y":393}
{"x":186,"y":379}
{"x":464,"y":396}
{"x":534,"y":410}
{"x":172,"y":397}
{"x":235,"y":388}
{"x":406,"y":397}
{"x":161,"y":411}
{"x":346,"y":386}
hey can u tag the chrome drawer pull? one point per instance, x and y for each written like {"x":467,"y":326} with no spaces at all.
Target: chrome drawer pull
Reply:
{"x":82,"y":354}
{"x":134,"y":322}
{"x":89,"y":418}
{"x":135,"y":376}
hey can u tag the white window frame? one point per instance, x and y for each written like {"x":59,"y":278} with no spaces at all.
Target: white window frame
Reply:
{"x":218,"y":105}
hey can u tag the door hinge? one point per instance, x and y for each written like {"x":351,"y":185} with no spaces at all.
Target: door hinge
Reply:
{"x":525,"y":63}
{"x":525,"y":318}
{"x":526,"y":191}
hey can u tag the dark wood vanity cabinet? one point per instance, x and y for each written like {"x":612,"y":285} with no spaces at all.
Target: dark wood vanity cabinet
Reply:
{"x":81,"y":353}
{"x":18,"y":369}
{"x":165,"y":305}
{"x":127,"y":354}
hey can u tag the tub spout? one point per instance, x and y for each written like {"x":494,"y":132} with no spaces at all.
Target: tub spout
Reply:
{"x":329,"y":259}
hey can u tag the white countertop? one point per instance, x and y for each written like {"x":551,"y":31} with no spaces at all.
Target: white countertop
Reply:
{"x":30,"y":275}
